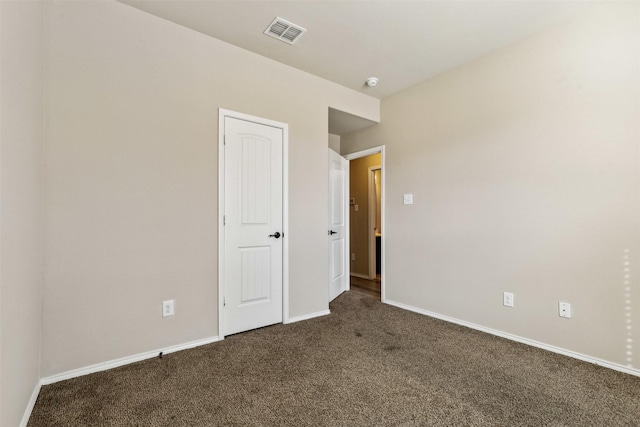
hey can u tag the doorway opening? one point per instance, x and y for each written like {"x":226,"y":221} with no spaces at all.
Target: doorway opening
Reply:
{"x":366,"y":221}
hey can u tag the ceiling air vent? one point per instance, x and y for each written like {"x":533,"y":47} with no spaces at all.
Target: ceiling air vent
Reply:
{"x":284,"y":30}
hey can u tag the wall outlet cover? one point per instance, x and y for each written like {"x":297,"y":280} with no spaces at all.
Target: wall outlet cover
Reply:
{"x":168,"y":308}
{"x":507,"y":299}
{"x":564,"y":310}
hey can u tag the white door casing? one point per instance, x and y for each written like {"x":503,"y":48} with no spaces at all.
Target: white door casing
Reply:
{"x":253,"y":223}
{"x":371,"y":232}
{"x":364,"y":153}
{"x":338,"y":221}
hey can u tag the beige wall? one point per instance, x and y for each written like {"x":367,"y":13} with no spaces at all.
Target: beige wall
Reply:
{"x":359,"y":221}
{"x":525,"y":171}
{"x":334,"y":142}
{"x":21,"y":193}
{"x":131,"y":178}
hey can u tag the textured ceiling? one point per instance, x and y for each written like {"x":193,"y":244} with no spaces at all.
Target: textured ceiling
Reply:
{"x":400,"y":42}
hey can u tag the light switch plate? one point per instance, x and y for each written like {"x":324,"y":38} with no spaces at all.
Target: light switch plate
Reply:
{"x":407,"y":199}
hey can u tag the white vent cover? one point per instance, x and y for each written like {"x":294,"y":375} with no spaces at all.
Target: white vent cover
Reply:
{"x":284,"y":30}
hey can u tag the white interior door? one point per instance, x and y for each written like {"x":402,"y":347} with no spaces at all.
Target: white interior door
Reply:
{"x":253,"y":225}
{"x":338,"y":219}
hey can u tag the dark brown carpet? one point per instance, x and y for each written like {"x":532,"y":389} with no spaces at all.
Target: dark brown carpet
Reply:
{"x":366,"y":364}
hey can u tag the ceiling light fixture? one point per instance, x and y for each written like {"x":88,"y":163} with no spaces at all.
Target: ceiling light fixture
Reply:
{"x":372,"y":81}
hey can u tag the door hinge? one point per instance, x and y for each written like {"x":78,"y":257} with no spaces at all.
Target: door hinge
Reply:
{"x":224,"y":302}
{"x":224,"y":220}
{"x":224,"y":140}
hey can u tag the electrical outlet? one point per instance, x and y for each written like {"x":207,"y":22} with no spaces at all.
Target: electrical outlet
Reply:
{"x":168,"y":308}
{"x":507,"y":299}
{"x":407,"y":199}
{"x":564,"y":310}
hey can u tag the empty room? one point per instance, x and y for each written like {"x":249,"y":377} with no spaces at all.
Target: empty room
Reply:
{"x":178,"y":220}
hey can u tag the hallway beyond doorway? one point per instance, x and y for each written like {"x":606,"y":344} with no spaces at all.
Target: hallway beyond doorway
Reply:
{"x":366,"y":286}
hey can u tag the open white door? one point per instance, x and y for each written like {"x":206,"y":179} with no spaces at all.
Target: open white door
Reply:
{"x":253,"y":225}
{"x":338,"y":220}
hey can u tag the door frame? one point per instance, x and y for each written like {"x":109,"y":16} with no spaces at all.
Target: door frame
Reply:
{"x":222,"y":113}
{"x":372,"y":219}
{"x":363,"y":153}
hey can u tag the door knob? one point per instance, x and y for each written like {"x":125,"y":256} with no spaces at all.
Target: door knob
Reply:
{"x":276,"y":235}
{"x":331,"y":232}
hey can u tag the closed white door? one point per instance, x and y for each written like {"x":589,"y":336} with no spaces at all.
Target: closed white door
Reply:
{"x":253,"y":225}
{"x":338,"y":247}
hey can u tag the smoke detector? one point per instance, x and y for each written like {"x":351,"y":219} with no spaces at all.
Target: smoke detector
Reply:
{"x":284,"y":30}
{"x":371,"y":81}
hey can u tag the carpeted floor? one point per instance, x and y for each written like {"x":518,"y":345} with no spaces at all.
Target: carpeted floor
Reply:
{"x":366,"y":364}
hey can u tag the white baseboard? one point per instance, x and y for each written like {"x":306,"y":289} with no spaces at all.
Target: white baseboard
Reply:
{"x":554,"y":349}
{"x":98,"y":367}
{"x":308,"y":316}
{"x":30,"y":405}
